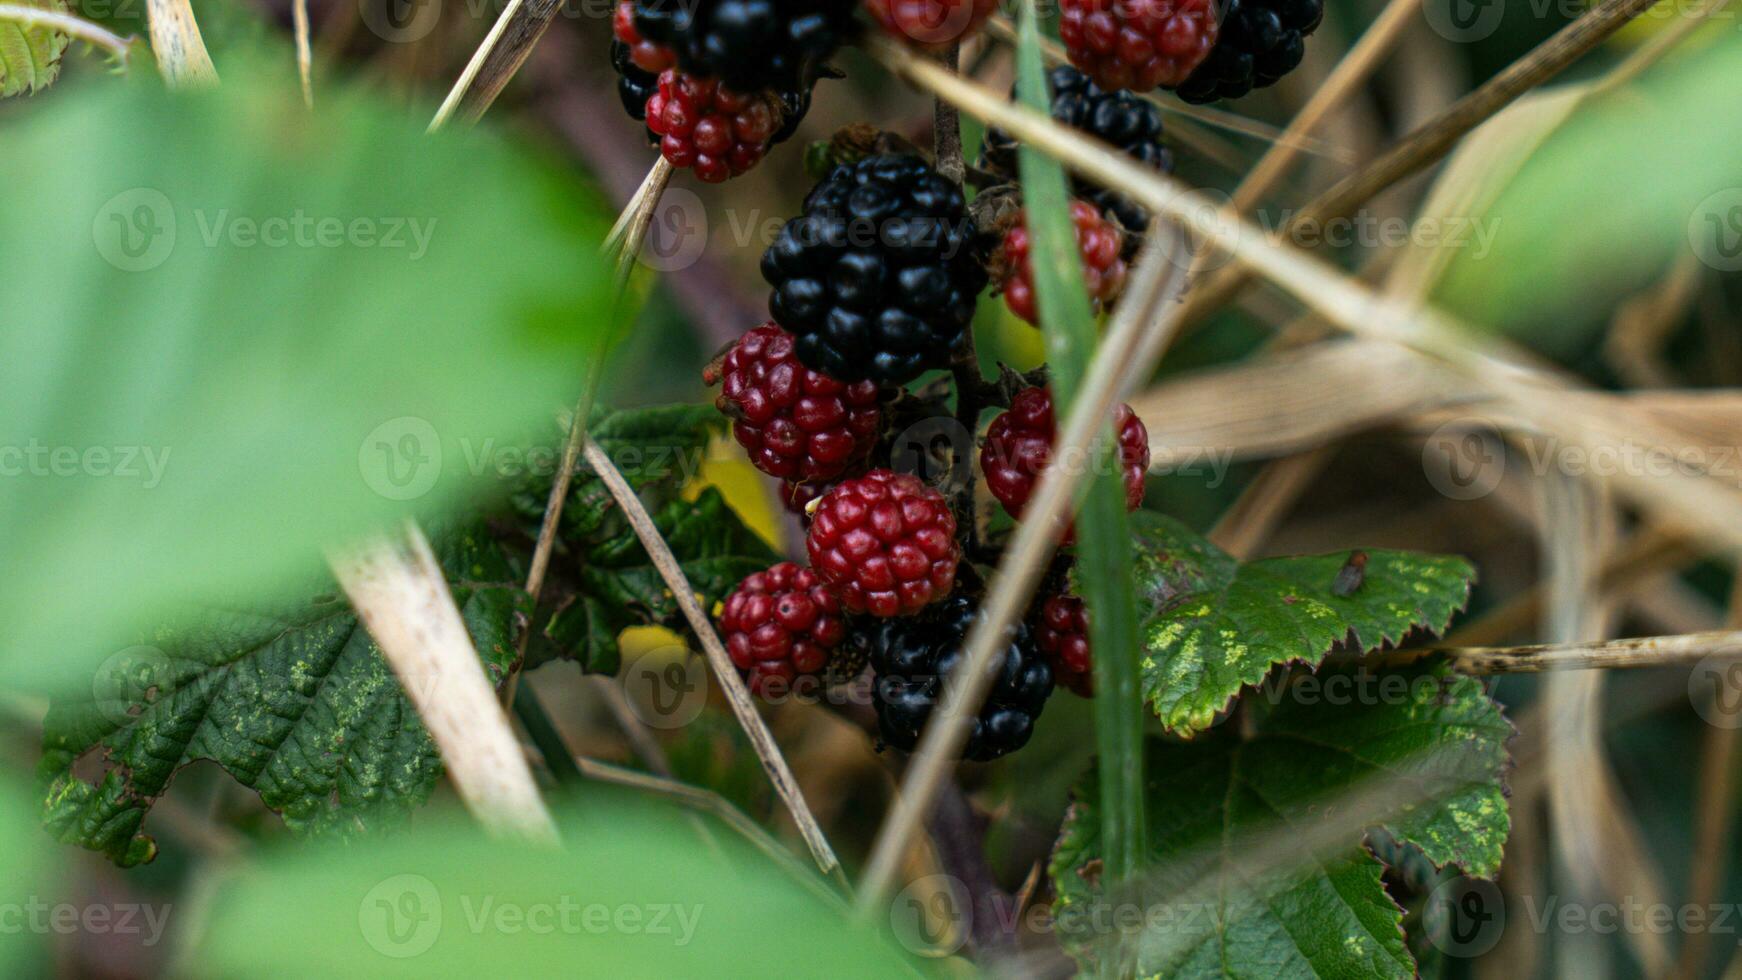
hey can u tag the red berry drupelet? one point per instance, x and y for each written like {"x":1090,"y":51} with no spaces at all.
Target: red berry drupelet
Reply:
{"x":1062,"y":631}
{"x":780,"y":624}
{"x":1099,"y":241}
{"x":886,"y":542}
{"x":715,"y":131}
{"x":797,"y":424}
{"x":931,"y":25}
{"x":1138,"y":44}
{"x":1019,"y":445}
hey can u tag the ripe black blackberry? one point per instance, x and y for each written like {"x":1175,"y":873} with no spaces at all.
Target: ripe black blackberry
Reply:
{"x":634,"y":85}
{"x":913,"y":658}
{"x":878,"y":277}
{"x":1128,"y":122}
{"x":1261,"y":41}
{"x":749,"y":44}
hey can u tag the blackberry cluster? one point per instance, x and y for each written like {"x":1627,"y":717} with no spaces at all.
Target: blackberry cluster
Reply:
{"x":748,"y":44}
{"x":1099,"y":244}
{"x":886,"y":543}
{"x":1261,"y":41}
{"x":796,"y":424}
{"x":780,"y":624}
{"x":1138,"y":44}
{"x":1128,"y":122}
{"x":914,"y":657}
{"x":1062,"y":630}
{"x":877,"y":278}
{"x":1019,"y":446}
{"x":930,"y":25}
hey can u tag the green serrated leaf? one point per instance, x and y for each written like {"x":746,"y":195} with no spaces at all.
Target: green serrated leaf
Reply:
{"x":294,"y":702}
{"x":1236,"y":895}
{"x":1215,"y":626}
{"x":30,"y":56}
{"x":712,"y":545}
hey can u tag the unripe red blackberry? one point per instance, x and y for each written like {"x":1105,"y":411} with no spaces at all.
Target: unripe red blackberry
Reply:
{"x":1099,"y":242}
{"x":780,"y":624}
{"x":713,"y":130}
{"x":931,"y":25}
{"x":886,"y":542}
{"x":796,"y":424}
{"x":1138,"y":44}
{"x":1019,"y":446}
{"x":1062,"y":632}
{"x":913,"y":659}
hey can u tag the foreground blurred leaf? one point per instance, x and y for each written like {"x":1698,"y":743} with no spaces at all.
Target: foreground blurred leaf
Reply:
{"x":22,"y":880}
{"x":1238,"y":895}
{"x":1215,"y":625}
{"x":634,"y":893}
{"x":237,"y":332}
{"x":30,"y":56}
{"x":1628,"y":180}
{"x":295,"y":703}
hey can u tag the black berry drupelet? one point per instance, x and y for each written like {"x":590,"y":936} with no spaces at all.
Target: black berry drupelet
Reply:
{"x":913,"y":658}
{"x":1128,"y":122}
{"x":749,"y":44}
{"x":1260,"y":41}
{"x":634,"y":85}
{"x":877,"y":278}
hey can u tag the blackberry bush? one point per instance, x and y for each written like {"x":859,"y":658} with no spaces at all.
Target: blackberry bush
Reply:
{"x":878,"y":277}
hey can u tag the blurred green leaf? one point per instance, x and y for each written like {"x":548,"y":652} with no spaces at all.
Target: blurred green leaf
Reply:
{"x":239,"y":331}
{"x":1216,"y":626}
{"x":23,"y":879}
{"x":634,"y":893}
{"x":1438,"y":750}
{"x":295,"y":702}
{"x":1630,"y":180}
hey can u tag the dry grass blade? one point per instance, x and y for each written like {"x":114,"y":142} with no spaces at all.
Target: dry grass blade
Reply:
{"x":1001,"y":28}
{"x":779,"y":773}
{"x":304,"y":54}
{"x":1265,"y":501}
{"x":501,"y":54}
{"x":1715,"y":812}
{"x":1351,"y":72}
{"x":1433,"y":140}
{"x":1141,"y":328}
{"x":1488,"y":367}
{"x":181,"y":51}
{"x":399,"y":591}
{"x":1680,"y":650}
